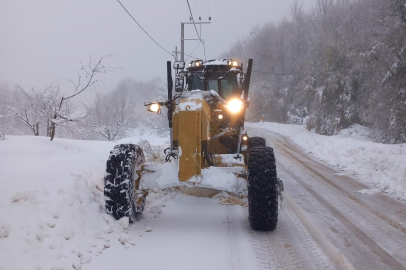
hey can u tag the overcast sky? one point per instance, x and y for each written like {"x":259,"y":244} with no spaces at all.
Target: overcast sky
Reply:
{"x":42,"y":40}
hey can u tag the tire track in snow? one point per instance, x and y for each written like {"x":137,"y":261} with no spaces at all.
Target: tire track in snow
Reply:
{"x":364,"y":239}
{"x":264,"y":259}
{"x":290,"y":246}
{"x":235,"y":253}
{"x":288,"y":150}
{"x":374,"y":247}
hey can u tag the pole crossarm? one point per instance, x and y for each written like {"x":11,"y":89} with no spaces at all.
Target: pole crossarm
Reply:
{"x":182,"y":38}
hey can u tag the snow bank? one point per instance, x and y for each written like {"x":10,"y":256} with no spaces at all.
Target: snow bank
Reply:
{"x":379,"y":165}
{"x":139,"y":135}
{"x":52,"y":213}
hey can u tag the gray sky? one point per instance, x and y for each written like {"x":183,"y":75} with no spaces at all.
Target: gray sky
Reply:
{"x":45,"y":39}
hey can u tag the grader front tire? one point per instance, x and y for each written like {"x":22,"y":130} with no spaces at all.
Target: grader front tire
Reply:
{"x":119,"y":182}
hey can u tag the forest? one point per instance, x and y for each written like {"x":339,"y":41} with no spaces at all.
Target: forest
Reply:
{"x":339,"y":64}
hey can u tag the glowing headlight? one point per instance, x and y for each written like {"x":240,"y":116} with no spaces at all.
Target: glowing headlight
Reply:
{"x":233,"y":63}
{"x":245,"y":138}
{"x":235,"y":105}
{"x":154,"y":107}
{"x":196,"y":64}
{"x":220,"y":116}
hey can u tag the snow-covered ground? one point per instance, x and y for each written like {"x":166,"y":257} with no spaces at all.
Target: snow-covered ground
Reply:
{"x":52,"y":213}
{"x":381,"y":166}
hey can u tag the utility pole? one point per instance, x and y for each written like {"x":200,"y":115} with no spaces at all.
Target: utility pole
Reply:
{"x":182,"y":37}
{"x":175,"y":52}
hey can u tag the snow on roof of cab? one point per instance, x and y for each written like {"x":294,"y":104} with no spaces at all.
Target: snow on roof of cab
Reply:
{"x":222,"y":62}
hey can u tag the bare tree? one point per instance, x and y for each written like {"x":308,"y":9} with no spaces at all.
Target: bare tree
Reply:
{"x":111,"y":117}
{"x":25,"y":107}
{"x":3,"y":111}
{"x":86,"y":79}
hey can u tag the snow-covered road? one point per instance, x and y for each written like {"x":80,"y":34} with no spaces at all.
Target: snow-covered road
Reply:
{"x":325,"y":223}
{"x":355,"y":230}
{"x":52,"y":216}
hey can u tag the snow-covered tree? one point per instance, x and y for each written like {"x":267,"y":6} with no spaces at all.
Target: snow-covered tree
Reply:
{"x":25,"y":107}
{"x":62,"y":113}
{"x":4,"y":114}
{"x":342,"y":62}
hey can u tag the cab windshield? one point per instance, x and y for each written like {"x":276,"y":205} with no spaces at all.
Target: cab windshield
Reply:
{"x":225,"y":87}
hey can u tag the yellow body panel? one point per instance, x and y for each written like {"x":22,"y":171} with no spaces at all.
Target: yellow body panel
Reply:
{"x":215,"y":146}
{"x":191,"y":127}
{"x":193,"y":124}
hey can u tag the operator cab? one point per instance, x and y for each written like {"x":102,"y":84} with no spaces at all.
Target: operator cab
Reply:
{"x":223,"y":76}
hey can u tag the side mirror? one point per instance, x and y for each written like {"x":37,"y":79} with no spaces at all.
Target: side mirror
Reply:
{"x":179,"y":83}
{"x":179,"y":65}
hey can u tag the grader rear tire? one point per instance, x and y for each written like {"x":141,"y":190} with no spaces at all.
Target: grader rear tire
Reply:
{"x":119,"y":182}
{"x":262,"y":189}
{"x":256,"y":141}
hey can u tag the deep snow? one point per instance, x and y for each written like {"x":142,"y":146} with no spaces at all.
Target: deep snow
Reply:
{"x":52,"y":213}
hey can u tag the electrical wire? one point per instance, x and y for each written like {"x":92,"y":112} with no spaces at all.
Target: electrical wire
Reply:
{"x":307,"y":74}
{"x":204,"y":45}
{"x":193,"y":51}
{"x":197,"y":32}
{"x":211,"y":35}
{"x":198,"y":12}
{"x":204,"y":50}
{"x":191,"y":56}
{"x":193,"y":20}
{"x":143,"y":29}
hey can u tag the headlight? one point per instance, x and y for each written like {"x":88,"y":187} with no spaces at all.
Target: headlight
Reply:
{"x":154,"y":107}
{"x":233,"y":63}
{"x":235,"y":105}
{"x":196,"y":64}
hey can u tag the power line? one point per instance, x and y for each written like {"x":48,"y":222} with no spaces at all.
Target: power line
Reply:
{"x":197,"y":32}
{"x":313,"y":74}
{"x":194,"y":24}
{"x":197,"y":5}
{"x":204,"y":47}
{"x":191,"y":56}
{"x":193,"y":51}
{"x":143,"y":28}
{"x":211,"y":35}
{"x":204,"y":50}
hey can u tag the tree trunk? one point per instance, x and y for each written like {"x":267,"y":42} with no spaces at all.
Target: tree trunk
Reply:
{"x":52,"y":128}
{"x":52,"y":131}
{"x":36,"y":129}
{"x":48,"y":129}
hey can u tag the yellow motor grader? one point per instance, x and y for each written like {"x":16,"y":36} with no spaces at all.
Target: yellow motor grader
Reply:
{"x":208,"y":146}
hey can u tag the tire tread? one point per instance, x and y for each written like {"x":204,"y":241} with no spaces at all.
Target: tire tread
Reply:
{"x":262,"y":189}
{"x":119,"y":181}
